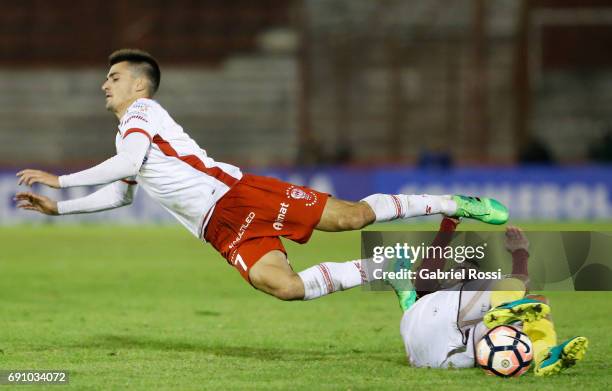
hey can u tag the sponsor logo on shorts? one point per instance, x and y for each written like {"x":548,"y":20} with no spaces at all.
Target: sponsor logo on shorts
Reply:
{"x":280,"y":218}
{"x":243,"y":228}
{"x":294,"y":192}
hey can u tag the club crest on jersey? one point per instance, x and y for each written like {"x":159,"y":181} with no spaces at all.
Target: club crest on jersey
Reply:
{"x":298,"y":194}
{"x":140,"y":107}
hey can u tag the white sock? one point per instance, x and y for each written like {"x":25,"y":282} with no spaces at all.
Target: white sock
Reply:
{"x":329,"y":277}
{"x":389,"y":207}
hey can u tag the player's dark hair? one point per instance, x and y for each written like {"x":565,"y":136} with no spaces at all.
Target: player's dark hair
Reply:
{"x":144,"y":61}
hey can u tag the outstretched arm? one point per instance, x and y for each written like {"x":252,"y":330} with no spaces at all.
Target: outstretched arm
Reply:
{"x":442,"y":239}
{"x":514,"y":286}
{"x":111,"y":196}
{"x":123,"y":165}
{"x":517,"y":245}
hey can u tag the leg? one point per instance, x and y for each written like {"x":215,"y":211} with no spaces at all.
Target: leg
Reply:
{"x":550,"y":358}
{"x":533,"y":311}
{"x":273,"y":275}
{"x":340,"y":215}
{"x":387,"y":207}
{"x":558,"y":358}
{"x":509,"y":304}
{"x":507,"y":290}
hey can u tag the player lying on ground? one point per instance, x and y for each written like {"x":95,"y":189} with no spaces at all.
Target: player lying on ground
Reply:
{"x":242,"y":216}
{"x":442,"y":328}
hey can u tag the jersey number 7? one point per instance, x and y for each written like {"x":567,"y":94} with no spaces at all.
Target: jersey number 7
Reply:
{"x":240,"y":261}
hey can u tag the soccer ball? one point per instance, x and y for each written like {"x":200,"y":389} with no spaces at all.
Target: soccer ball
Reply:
{"x":504,"y":351}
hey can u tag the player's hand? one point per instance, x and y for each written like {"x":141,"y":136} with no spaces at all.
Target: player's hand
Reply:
{"x":30,"y":177}
{"x":515,"y":239}
{"x":38,"y":203}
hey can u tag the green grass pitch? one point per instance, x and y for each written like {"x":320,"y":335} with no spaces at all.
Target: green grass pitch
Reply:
{"x":153,"y":308}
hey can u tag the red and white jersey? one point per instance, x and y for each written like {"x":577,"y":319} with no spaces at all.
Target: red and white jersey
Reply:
{"x":176,"y":171}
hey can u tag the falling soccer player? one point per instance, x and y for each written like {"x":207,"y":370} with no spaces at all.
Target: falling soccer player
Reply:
{"x":442,"y":327}
{"x":242,"y":216}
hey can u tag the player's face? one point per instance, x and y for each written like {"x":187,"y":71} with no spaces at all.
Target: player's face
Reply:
{"x":120,"y":87}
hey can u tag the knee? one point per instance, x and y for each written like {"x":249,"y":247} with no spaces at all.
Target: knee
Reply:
{"x":356,"y":217}
{"x":286,"y":288}
{"x":290,"y":289}
{"x":287,"y":293}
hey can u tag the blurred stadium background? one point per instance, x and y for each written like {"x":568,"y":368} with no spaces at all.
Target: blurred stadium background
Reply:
{"x":510,"y":98}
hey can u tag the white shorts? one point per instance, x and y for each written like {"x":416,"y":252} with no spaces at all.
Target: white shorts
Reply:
{"x":439,"y":329}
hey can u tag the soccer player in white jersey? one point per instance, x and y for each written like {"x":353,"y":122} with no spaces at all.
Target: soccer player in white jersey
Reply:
{"x":442,"y":328}
{"x":242,"y":216}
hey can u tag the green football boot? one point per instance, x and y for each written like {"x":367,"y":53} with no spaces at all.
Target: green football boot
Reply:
{"x":562,"y":356}
{"x":487,"y":210}
{"x":523,"y":310}
{"x":403,"y":288}
{"x":406,"y":299}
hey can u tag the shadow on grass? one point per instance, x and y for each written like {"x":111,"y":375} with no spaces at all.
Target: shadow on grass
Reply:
{"x":119,"y":342}
{"x":207,"y":313}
